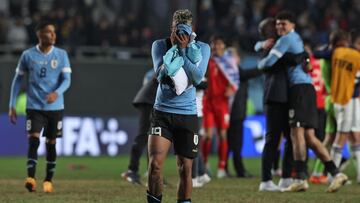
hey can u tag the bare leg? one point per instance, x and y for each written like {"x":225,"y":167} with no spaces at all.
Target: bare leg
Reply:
{"x":298,"y":142}
{"x":157,"y":149}
{"x":185,"y":183}
{"x":315,"y":144}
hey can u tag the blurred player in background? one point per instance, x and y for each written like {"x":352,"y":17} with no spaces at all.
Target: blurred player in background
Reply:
{"x":174,"y":119}
{"x":314,"y":70}
{"x":221,"y":86}
{"x":276,"y":110}
{"x":337,"y":38}
{"x":238,"y":115}
{"x":143,"y":101}
{"x":199,"y":173}
{"x":47,"y":70}
{"x":345,"y":91}
{"x":302,"y":112}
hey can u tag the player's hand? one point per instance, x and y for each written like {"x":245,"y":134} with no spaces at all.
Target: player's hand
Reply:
{"x":12,"y":115}
{"x":50,"y":98}
{"x":173,"y":37}
{"x":182,"y":40}
{"x":268,"y":44}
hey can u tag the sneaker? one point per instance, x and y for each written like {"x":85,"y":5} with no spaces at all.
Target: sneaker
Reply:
{"x":298,"y":185}
{"x":48,"y":187}
{"x":196,"y":183}
{"x":268,"y":186}
{"x":285,"y":182}
{"x":30,"y":184}
{"x":221,"y":173}
{"x":131,"y":177}
{"x":338,"y":181}
{"x":204,"y":178}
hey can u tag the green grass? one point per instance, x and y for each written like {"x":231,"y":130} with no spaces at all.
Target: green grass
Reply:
{"x":89,"y":179}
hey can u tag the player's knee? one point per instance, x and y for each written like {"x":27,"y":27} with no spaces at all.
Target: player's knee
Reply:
{"x":50,"y":141}
{"x":184,"y":166}
{"x":312,"y":143}
{"x":154,"y":166}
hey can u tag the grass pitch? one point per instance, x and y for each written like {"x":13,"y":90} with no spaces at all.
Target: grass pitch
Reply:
{"x":89,"y":179}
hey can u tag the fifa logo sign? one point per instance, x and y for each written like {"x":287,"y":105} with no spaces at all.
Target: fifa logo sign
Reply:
{"x":89,"y":136}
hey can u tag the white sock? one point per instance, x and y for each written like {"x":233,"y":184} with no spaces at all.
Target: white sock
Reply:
{"x":356,"y":151}
{"x":336,"y":154}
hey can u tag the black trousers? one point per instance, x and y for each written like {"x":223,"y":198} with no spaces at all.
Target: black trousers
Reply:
{"x":141,"y":139}
{"x":277,"y":124}
{"x":235,"y":143}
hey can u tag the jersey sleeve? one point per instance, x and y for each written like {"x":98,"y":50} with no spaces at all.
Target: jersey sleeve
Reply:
{"x":16,"y":83}
{"x":65,"y":75}
{"x":21,"y":67}
{"x":279,"y":49}
{"x":158,"y":50}
{"x":196,"y":71}
{"x":66,"y":68}
{"x":258,"y":46}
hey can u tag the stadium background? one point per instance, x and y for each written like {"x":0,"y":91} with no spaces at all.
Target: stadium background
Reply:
{"x":109,"y":43}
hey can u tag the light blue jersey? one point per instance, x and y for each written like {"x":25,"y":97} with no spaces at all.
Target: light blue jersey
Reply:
{"x":166,"y":99}
{"x":291,"y":43}
{"x":46,"y":73}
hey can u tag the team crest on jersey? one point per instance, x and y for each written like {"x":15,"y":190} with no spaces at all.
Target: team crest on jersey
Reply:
{"x":54,"y":63}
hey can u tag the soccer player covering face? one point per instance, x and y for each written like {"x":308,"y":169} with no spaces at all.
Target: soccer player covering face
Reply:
{"x":47,"y":70}
{"x":302,"y":107}
{"x":174,"y":119}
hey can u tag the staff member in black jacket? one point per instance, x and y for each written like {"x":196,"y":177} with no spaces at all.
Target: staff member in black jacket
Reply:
{"x":237,"y":116}
{"x":143,"y":101}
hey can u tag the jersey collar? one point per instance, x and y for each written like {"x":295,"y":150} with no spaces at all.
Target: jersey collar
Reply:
{"x":38,"y":48}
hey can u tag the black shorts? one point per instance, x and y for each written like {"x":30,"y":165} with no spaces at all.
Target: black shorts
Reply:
{"x":182,"y":130}
{"x":302,"y":106}
{"x":50,"y":121}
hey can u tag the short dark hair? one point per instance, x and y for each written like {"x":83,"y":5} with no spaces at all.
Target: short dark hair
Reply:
{"x":286,"y":15}
{"x":338,"y":35}
{"x":267,"y":29}
{"x":216,"y":37}
{"x":42,"y":24}
{"x":354,"y":34}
